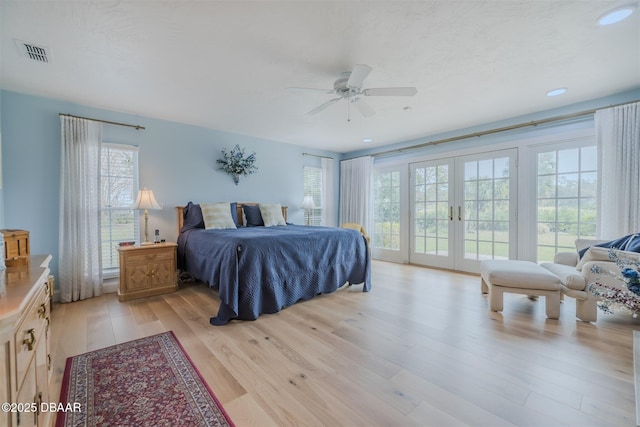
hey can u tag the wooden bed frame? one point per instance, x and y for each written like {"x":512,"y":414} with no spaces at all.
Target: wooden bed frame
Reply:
{"x":239,"y":208}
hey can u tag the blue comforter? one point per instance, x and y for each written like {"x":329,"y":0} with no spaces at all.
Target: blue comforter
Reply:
{"x":264,"y":269}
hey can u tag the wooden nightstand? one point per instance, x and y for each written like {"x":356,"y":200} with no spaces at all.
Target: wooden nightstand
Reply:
{"x":147,"y":270}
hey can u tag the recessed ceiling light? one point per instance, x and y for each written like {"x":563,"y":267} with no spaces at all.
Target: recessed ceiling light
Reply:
{"x":615,"y":15}
{"x":556,"y":92}
{"x":407,"y":108}
{"x":367,"y":140}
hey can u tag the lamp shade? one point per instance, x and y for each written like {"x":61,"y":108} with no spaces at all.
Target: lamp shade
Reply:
{"x":307,"y":202}
{"x":146,"y":200}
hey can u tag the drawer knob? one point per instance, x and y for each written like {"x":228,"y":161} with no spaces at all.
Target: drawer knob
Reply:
{"x":42,"y":311}
{"x":29,"y":342}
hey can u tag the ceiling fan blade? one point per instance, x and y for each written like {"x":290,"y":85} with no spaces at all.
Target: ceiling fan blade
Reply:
{"x":323,"y":106}
{"x":359,"y":73}
{"x":365,"y":109}
{"x":390,"y":91}
{"x":309,"y":89}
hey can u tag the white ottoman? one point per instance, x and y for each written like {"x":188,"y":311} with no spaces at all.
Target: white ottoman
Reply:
{"x":520,"y":277}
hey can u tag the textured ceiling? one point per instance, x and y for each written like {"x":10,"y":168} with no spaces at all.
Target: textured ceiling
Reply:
{"x":226,"y":64}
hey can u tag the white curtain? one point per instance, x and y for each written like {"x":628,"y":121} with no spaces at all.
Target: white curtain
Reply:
{"x":618,"y":140}
{"x":356,"y":184}
{"x":79,"y":261}
{"x":328,"y":195}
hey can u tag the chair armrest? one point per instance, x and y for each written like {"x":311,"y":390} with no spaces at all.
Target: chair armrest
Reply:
{"x":566,"y":258}
{"x":610,"y":277}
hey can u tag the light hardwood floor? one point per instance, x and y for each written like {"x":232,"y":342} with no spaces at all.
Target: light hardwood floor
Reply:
{"x":422,"y":348}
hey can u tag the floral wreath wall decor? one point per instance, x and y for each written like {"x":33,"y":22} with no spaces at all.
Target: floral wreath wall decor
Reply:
{"x":235,"y":163}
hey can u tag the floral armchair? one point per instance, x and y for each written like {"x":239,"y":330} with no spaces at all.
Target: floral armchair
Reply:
{"x":595,"y":266}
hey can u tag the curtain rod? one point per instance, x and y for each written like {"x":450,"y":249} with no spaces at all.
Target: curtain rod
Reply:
{"x":497,"y":130}
{"x":316,"y":155}
{"x":136,"y":127}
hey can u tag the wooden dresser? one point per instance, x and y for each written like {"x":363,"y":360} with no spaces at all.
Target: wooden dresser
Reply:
{"x":147,"y":270}
{"x":25,"y":359}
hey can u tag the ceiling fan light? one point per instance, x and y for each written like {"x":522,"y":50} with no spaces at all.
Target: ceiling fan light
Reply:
{"x":616,"y":15}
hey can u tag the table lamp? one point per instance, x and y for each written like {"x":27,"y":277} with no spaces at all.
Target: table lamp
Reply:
{"x":307,"y":205}
{"x":146,"y":201}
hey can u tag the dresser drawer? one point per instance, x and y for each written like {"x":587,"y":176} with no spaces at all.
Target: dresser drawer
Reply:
{"x":29,"y":331}
{"x":150,"y":255}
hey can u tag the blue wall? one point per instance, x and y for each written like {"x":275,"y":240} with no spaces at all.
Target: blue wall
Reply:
{"x":176,"y":161}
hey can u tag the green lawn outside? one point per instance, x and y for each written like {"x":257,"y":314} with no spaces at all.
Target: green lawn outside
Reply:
{"x":546,"y":249}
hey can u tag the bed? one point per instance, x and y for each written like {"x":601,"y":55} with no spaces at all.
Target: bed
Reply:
{"x":263,"y":269}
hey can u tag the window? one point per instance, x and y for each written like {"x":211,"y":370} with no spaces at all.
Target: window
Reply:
{"x":313,"y":187}
{"x":386,"y":214}
{"x":566,"y":199}
{"x":119,"y":185}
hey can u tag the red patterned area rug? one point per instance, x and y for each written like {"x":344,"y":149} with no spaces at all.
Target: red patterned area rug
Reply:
{"x":146,"y":382}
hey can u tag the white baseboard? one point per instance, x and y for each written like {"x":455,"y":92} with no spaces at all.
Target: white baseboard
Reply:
{"x":110,"y":285}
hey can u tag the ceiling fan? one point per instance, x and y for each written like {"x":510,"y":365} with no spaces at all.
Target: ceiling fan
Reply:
{"x":349,"y":87}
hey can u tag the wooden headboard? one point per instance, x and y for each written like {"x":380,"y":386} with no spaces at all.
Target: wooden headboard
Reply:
{"x":181,"y":213}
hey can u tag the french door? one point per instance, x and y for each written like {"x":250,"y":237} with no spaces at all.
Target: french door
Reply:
{"x":390,"y":216}
{"x":463,"y":210}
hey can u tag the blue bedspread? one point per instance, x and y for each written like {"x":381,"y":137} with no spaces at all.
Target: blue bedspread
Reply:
{"x":264,"y":269}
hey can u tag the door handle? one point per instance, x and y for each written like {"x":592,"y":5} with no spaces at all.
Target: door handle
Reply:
{"x":459,"y":213}
{"x":450,"y":213}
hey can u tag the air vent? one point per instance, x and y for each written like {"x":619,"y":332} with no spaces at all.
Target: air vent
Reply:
{"x":32,"y":51}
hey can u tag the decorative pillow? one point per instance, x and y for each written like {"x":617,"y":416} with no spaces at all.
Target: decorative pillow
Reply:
{"x":627,"y":255}
{"x":192,"y":217}
{"x":629,"y":243}
{"x":594,"y":253}
{"x":217,"y":216}
{"x":252,"y":215}
{"x":583,"y":244}
{"x":234,"y":213}
{"x":272,"y":215}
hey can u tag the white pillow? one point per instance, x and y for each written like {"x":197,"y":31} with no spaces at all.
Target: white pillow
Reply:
{"x":272,"y":215}
{"x":631,"y":256}
{"x":585,"y":243}
{"x":217,"y":216}
{"x":594,"y":253}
